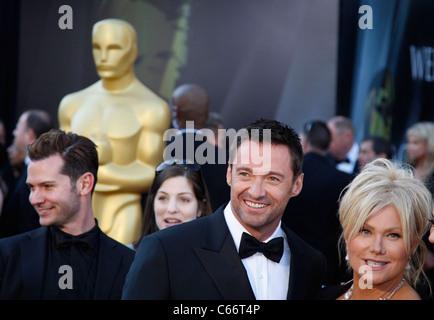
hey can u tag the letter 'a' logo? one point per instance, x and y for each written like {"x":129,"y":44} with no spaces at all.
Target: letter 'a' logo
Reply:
{"x":366,"y":21}
{"x":65,"y":281}
{"x":65,"y":21}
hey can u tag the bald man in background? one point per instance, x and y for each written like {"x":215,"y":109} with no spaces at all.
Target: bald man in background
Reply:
{"x":189,"y":102}
{"x":343,"y":149}
{"x":190,"y":111}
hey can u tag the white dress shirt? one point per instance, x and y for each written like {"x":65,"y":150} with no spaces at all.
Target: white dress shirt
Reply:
{"x":268,"y":279}
{"x":348,"y":167}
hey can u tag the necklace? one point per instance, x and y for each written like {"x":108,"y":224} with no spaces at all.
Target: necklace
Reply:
{"x":349,"y":293}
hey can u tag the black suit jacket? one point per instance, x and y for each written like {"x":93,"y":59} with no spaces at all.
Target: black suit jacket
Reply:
{"x":313,"y":214}
{"x":199,"y":260}
{"x":22,"y":266}
{"x":18,"y":214}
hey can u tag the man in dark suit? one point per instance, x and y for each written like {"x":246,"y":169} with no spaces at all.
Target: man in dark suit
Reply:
{"x":242,"y":251}
{"x":190,"y":111}
{"x":343,"y":149}
{"x":313,"y":214}
{"x":68,"y":257}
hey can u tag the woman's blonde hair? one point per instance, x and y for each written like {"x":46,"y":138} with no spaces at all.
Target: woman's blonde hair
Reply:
{"x":380,"y":184}
{"x":425,"y":132}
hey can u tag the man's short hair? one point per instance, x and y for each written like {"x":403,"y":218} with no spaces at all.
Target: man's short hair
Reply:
{"x":276,"y":133}
{"x":78,"y":153}
{"x":381,"y":145}
{"x":39,"y":121}
{"x":317,"y":134}
{"x":342,"y":124}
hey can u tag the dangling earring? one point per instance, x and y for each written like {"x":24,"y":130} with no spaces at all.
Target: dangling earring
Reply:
{"x":407,"y":266}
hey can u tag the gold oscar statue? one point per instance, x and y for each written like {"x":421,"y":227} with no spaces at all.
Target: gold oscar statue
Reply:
{"x":126,"y":120}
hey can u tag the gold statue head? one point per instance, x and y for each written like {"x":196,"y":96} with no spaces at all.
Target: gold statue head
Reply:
{"x":114,"y":44}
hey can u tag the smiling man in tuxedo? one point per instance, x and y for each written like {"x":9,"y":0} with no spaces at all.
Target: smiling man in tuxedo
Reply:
{"x":242,"y":251}
{"x":62,"y":174}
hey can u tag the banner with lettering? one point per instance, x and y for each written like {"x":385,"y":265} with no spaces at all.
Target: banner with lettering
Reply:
{"x":393,"y":75}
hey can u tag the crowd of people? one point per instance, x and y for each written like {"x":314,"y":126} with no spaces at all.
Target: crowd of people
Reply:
{"x":272,"y":214}
{"x":378,"y":216}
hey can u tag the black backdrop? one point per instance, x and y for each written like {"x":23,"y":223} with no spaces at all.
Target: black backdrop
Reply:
{"x":256,"y":58}
{"x":9,"y":31}
{"x":290,"y":60}
{"x":386,"y":74}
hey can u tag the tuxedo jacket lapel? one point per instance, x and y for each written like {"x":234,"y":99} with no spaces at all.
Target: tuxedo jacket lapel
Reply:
{"x":220,"y":259}
{"x":103,"y":280}
{"x":33,"y":263}
{"x":222,"y":262}
{"x":300,"y":267}
{"x":296,"y":269}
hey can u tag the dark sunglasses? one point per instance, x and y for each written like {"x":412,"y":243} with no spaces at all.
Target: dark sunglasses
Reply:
{"x":177,"y":162}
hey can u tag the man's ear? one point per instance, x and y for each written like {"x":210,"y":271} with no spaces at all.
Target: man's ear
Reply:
{"x":85,"y":183}
{"x":30,"y":136}
{"x":228,"y":175}
{"x":298,"y":185}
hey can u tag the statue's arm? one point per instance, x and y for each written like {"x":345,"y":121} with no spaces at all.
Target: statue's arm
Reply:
{"x":138,"y":175}
{"x":67,"y":108}
{"x":151,"y":144}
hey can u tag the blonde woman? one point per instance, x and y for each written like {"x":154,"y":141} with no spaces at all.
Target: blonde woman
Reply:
{"x":384,"y":213}
{"x":420,"y":151}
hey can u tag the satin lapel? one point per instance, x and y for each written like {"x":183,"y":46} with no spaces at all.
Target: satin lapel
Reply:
{"x":106,"y":268}
{"x":296,"y":285}
{"x":220,"y":259}
{"x":33,"y":250}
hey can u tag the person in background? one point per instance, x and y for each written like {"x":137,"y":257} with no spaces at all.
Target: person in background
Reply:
{"x":18,"y":215}
{"x":190,"y":106}
{"x":384,"y":214}
{"x":420,"y":151}
{"x":373,"y":148}
{"x":2,"y":132}
{"x":178,"y":194}
{"x":189,"y":102}
{"x":68,"y":257}
{"x":216,"y":125}
{"x":420,"y":155}
{"x":343,"y":150}
{"x":3,"y":164}
{"x":313,"y":214}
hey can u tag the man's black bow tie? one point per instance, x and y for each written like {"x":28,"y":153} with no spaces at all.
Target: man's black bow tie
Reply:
{"x":346,"y":160}
{"x":272,"y":249}
{"x":63,"y":240}
{"x":74,"y":242}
